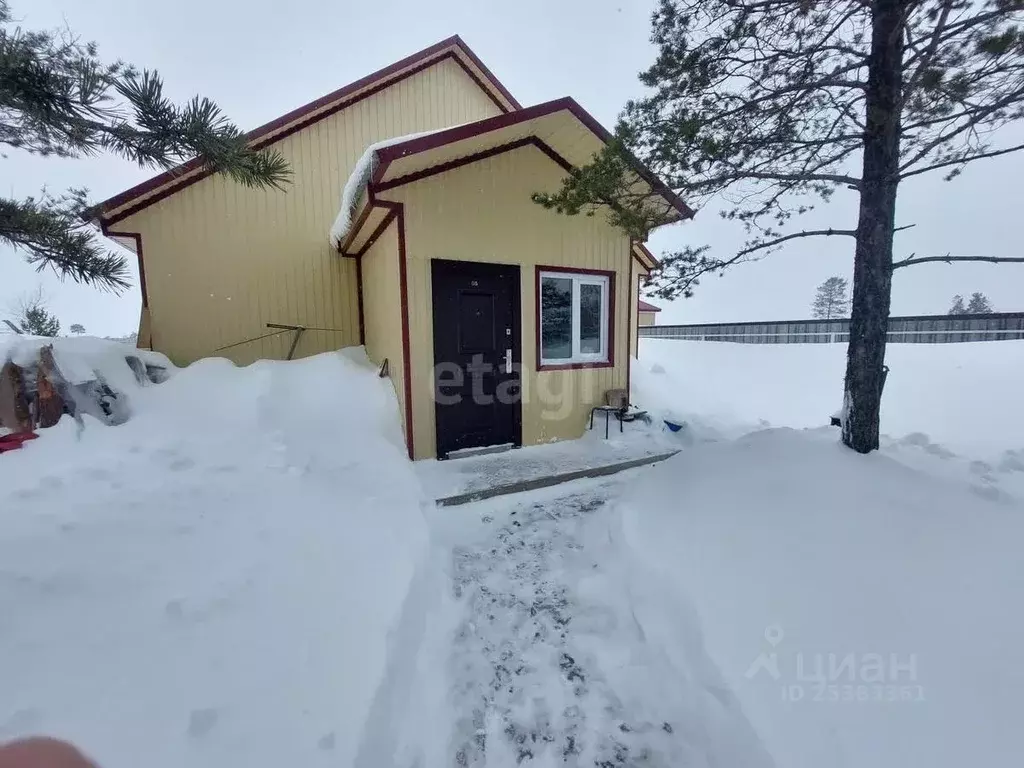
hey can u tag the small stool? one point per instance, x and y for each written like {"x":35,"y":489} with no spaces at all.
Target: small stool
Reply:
{"x":608,"y":410}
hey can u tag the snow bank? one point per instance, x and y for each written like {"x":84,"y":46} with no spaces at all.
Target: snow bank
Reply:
{"x":864,"y":612}
{"x":965,"y":397}
{"x":862,"y":608}
{"x":213,"y":582}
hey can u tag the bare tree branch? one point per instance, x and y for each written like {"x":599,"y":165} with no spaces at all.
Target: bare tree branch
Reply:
{"x":962,"y":160}
{"x":947,"y":259}
{"x":796,"y":235}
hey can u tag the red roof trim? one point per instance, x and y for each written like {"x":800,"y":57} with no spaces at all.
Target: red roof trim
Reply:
{"x":434,"y":170}
{"x":654,"y":263}
{"x":456,"y":40}
{"x":439,"y":139}
{"x":645,"y":307}
{"x":260,"y":136}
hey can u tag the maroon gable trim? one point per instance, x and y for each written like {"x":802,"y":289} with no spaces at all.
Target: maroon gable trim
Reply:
{"x":387,"y":155}
{"x":260,"y":137}
{"x":137,"y":237}
{"x":529,"y":141}
{"x":648,"y":255}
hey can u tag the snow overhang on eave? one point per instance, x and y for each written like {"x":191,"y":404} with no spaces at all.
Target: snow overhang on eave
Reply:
{"x":561,"y":129}
{"x":368,"y":221}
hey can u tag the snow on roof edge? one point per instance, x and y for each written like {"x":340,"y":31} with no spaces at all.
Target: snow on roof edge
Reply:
{"x":359,"y":180}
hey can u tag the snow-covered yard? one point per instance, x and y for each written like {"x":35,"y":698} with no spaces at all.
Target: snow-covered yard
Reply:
{"x":965,"y":397}
{"x":250,"y":572}
{"x":213,"y":582}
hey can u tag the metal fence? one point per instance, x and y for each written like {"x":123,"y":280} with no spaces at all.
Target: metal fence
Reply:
{"x":917,"y":329}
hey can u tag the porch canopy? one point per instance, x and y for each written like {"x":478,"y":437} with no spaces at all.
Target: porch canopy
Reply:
{"x":561,"y":129}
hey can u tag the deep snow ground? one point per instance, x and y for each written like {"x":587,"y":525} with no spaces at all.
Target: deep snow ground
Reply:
{"x":213,"y":582}
{"x":965,"y":398}
{"x":881,"y":595}
{"x":250,"y":572}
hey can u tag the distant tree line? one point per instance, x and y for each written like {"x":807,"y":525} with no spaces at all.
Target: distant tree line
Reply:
{"x":977,"y":305}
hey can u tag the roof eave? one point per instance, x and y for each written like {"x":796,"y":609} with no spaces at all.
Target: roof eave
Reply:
{"x":458,"y":133}
{"x":269,"y":132}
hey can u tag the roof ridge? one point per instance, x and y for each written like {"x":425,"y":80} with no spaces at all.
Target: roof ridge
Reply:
{"x":192,"y":170}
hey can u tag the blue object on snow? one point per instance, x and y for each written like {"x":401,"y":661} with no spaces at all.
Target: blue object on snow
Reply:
{"x":673,"y":426}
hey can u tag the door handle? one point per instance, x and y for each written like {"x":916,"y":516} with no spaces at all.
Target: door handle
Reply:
{"x":508,"y":361}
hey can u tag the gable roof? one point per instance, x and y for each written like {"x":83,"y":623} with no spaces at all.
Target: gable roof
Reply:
{"x":562,"y":129}
{"x":643,"y":306}
{"x":148,"y":192}
{"x":530,"y":120}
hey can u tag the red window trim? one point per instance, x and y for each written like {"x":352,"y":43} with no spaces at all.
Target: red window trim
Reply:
{"x":610,"y":363}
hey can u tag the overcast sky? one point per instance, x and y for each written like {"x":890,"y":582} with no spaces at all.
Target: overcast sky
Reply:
{"x":261,"y":59}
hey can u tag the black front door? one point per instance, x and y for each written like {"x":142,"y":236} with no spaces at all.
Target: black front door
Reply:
{"x":476,"y":355}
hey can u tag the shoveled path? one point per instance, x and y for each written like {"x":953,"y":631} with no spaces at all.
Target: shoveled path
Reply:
{"x":535,"y":636}
{"x":548,"y":665}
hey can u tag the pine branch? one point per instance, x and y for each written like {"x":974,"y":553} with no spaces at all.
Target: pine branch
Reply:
{"x":679,"y":273}
{"x":57,"y":98}
{"x":926,"y":56}
{"x":50,"y":232}
{"x":760,"y":246}
{"x":962,"y":160}
{"x":836,"y":178}
{"x":948,"y":259}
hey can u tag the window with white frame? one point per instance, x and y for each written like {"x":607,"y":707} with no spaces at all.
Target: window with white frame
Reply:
{"x":573,"y":318}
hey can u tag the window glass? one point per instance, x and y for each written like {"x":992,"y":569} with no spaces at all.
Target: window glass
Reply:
{"x":590,"y":318}
{"x":574,"y":318}
{"x":556,"y":318}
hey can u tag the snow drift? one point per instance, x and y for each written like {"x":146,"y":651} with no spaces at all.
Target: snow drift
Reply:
{"x":862,"y":608}
{"x":966,"y":397}
{"x":214,"y":581}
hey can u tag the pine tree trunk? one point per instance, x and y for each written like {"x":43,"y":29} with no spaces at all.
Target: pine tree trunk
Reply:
{"x":872,"y":266}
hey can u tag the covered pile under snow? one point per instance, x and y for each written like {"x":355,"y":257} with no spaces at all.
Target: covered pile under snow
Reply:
{"x":213,"y":582}
{"x":81,"y":358}
{"x":86,"y":369}
{"x":863,"y":609}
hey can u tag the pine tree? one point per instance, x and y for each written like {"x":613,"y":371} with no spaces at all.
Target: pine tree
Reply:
{"x":979,"y":304}
{"x":831,"y":300}
{"x":958,"y":306}
{"x":772,"y":104}
{"x":36,"y":319}
{"x":58,"y":98}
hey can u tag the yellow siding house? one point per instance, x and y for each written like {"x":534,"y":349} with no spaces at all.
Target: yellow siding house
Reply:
{"x":497,"y":321}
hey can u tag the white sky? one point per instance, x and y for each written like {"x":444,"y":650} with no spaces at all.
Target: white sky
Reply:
{"x":261,"y":59}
